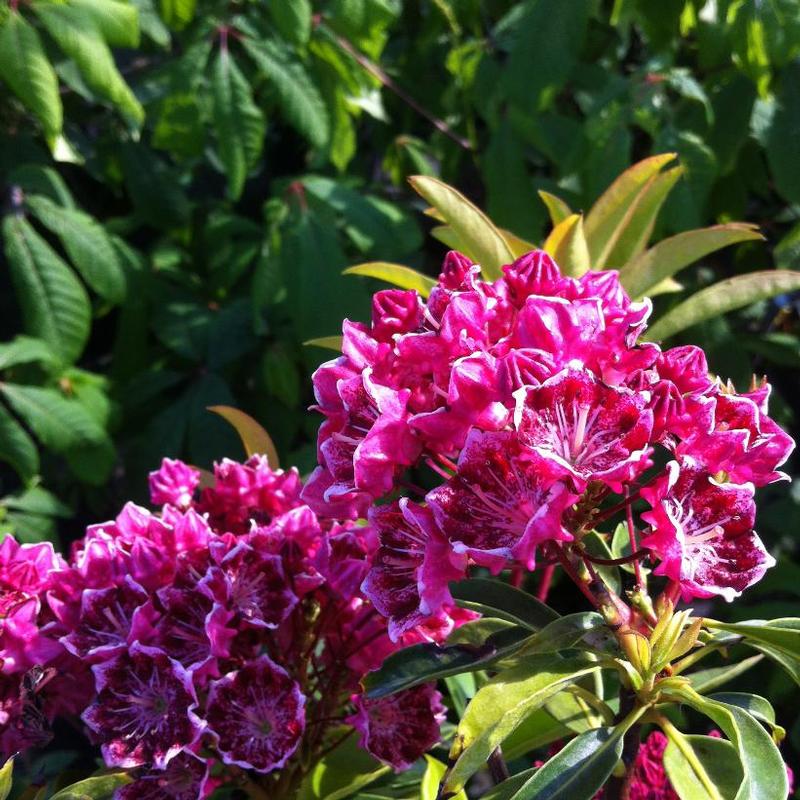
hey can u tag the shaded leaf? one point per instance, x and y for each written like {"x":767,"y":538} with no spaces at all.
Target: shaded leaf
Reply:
{"x":98,"y":787}
{"x":495,"y":599}
{"x":255,"y":439}
{"x":704,"y":680}
{"x":326,"y":343}
{"x":292,"y":18}
{"x":16,"y":447}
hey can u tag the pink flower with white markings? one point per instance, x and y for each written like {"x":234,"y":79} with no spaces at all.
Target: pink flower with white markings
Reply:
{"x":173,"y":483}
{"x":186,"y":777}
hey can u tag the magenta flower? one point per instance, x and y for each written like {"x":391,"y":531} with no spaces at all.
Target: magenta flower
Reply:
{"x":398,"y":729}
{"x":186,"y":777}
{"x":173,"y":483}
{"x":144,"y":712}
{"x":256,"y":716}
{"x":702,"y":531}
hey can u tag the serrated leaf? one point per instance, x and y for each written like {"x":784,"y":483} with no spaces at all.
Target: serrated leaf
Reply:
{"x":502,"y":705}
{"x":722,"y":297}
{"x":238,"y":122}
{"x":24,"y":66}
{"x":396,"y":274}
{"x":59,"y":422}
{"x":16,"y":447}
{"x":98,"y":787}
{"x":292,"y":18}
{"x":76,"y":34}
{"x":495,"y":599}
{"x":421,"y":663}
{"x":556,"y":207}
{"x":483,"y":242}
{"x":608,"y":213}
{"x":567,"y":245}
{"x":87,"y":244}
{"x":300,"y":100}
{"x":702,"y":767}
{"x":117,"y":21}
{"x":54,"y":303}
{"x":255,"y":439}
{"x":671,"y":255}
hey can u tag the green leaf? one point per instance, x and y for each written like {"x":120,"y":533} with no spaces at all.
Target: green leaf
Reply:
{"x":608,"y":215}
{"x":704,"y":680}
{"x":722,"y":297}
{"x":702,"y":767}
{"x":254,"y":438}
{"x":60,"y":423}
{"x":77,"y":35}
{"x":564,"y":632}
{"x":785,"y":122}
{"x":26,"y":69}
{"x":178,"y":13}
{"x":789,"y":663}
{"x":421,"y":663}
{"x":238,"y":122}
{"x":396,"y":274}
{"x":755,"y":705}
{"x":300,"y":100}
{"x":495,"y":599}
{"x":25,"y":350}
{"x":5,"y":778}
{"x":671,"y":255}
{"x":567,"y":245}
{"x":292,"y":18}
{"x":482,"y":241}
{"x":434,"y":772}
{"x":98,"y":787}
{"x":508,"y":788}
{"x":764,"y":773}
{"x":16,"y":447}
{"x":577,"y":771}
{"x":117,"y":21}
{"x":579,"y":710}
{"x":538,"y":730}
{"x":326,"y":343}
{"x":54,"y":303}
{"x":556,"y":207}
{"x":342,"y":772}
{"x":87,"y":244}
{"x":502,"y":705}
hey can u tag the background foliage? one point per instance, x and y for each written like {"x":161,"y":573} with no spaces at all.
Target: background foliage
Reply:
{"x":184,"y":181}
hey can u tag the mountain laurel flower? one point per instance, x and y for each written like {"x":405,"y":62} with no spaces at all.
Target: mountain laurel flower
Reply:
{"x":531,"y":410}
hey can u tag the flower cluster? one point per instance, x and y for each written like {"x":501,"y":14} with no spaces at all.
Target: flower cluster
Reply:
{"x":538,"y":412}
{"x":224,"y":632}
{"x":38,"y":678}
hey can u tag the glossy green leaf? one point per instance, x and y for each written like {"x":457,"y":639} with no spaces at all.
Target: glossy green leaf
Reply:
{"x":483,"y":242}
{"x":54,"y":303}
{"x":255,"y":439}
{"x":76,"y":33}
{"x":702,"y":767}
{"x":300,"y":100}
{"x":238,"y":122}
{"x":396,"y":274}
{"x":604,"y":219}
{"x":579,"y":710}
{"x":671,"y":255}
{"x":564,"y":632}
{"x":98,"y":787}
{"x":764,"y":773}
{"x":567,"y":245}
{"x":421,"y":663}
{"x":509,"y":787}
{"x":704,"y":680}
{"x":342,"y":772}
{"x":722,"y":297}
{"x":87,"y":244}
{"x":783,"y":634}
{"x":495,"y":599}
{"x":24,"y":66}
{"x":502,"y":705}
{"x":755,"y":705}
{"x":556,"y":207}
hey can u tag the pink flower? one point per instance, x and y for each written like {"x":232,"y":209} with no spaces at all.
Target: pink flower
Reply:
{"x":408,"y":581}
{"x":649,"y":779}
{"x":500,"y":505}
{"x":585,"y":430}
{"x":702,"y":531}
{"x":144,"y":712}
{"x":186,"y":777}
{"x":256,"y":716}
{"x":398,"y":729}
{"x":174,"y":483}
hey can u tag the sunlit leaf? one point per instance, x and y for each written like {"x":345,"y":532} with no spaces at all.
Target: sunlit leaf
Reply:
{"x":567,"y":245}
{"x":326,"y":343}
{"x":702,"y":767}
{"x":255,"y":439}
{"x":556,"y":207}
{"x":396,"y":274}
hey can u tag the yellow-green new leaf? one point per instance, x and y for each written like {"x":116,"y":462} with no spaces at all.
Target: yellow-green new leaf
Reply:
{"x":396,"y":274}
{"x":254,"y":438}
{"x":723,"y":297}
{"x":609,"y":211}
{"x":556,"y":207}
{"x":517,"y":245}
{"x":567,"y":245}
{"x":178,"y":13}
{"x":502,"y":705}
{"x":650,"y":268}
{"x":483,"y":242}
{"x":326,"y":343}
{"x":26,"y":69}
{"x":434,"y":772}
{"x":449,"y":238}
{"x":5,"y":778}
